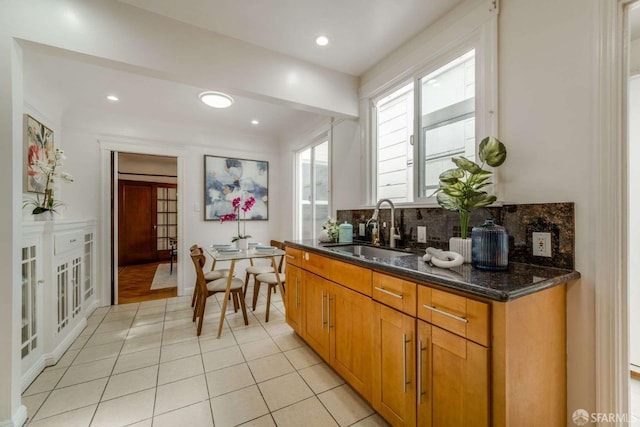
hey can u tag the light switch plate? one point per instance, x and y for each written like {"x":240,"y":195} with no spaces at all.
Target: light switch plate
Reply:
{"x":362,"y":227}
{"x":422,"y":234}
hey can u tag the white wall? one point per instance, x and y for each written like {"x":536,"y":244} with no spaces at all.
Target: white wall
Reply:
{"x":547,"y":121}
{"x":546,"y":93}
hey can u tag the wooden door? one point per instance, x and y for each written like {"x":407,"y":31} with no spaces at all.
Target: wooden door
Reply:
{"x":136,"y":218}
{"x":454,"y":380}
{"x":294,"y":298}
{"x":394,"y":387}
{"x":316,"y":313}
{"x":351,"y":318}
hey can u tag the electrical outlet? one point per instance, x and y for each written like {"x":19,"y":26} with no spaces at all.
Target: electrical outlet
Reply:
{"x":362,"y":229}
{"x":541,"y":244}
{"x":422,"y":234}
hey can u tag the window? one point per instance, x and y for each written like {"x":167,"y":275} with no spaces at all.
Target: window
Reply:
{"x":446,"y":125}
{"x":312,"y":195}
{"x":394,"y":117}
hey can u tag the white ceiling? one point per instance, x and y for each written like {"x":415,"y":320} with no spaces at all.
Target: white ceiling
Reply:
{"x":79,"y":90}
{"x":362,"y":32}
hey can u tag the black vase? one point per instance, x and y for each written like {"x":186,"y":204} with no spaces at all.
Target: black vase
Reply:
{"x":489,"y":247}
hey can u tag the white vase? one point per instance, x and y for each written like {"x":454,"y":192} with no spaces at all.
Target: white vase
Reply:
{"x":44,"y":216}
{"x":461,"y":246}
{"x":242,"y":244}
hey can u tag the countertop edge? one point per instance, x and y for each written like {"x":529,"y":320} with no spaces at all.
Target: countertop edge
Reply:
{"x":564,"y":276}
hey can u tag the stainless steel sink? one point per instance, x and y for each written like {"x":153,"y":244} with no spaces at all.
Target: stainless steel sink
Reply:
{"x":368,"y":251}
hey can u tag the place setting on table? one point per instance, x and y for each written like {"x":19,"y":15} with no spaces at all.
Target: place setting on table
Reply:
{"x":228,"y":252}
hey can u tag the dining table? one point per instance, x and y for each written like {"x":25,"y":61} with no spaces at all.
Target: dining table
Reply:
{"x":226,"y":254}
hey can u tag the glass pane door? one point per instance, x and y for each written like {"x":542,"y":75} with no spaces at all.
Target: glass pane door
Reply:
{"x":166,"y":217}
{"x":313,"y":170}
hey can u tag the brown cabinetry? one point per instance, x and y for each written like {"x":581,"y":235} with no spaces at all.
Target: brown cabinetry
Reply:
{"x":429,"y":357}
{"x":293,"y":297}
{"x":394,"y":384}
{"x":453,"y":379}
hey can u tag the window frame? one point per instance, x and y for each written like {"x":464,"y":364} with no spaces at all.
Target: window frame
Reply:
{"x":484,"y":40}
{"x":324,"y":136}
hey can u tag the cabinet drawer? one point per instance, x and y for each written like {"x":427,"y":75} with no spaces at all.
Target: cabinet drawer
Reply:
{"x":351,"y":276}
{"x":67,"y":241}
{"x":316,"y":264}
{"x":397,"y":293}
{"x":294,"y":256}
{"x":463,"y":316}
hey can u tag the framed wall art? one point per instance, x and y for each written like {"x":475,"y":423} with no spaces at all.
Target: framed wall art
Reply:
{"x":227,"y":178}
{"x":38,"y":141}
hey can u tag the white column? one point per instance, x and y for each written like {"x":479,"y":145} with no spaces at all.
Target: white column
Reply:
{"x":11,"y":411}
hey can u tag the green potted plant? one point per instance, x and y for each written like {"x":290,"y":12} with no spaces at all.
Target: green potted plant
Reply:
{"x":462,"y":188}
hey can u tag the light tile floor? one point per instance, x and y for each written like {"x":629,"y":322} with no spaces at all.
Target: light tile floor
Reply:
{"x":142,"y":365}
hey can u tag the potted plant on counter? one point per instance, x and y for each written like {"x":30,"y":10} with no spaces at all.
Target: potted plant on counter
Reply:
{"x":462,"y":189}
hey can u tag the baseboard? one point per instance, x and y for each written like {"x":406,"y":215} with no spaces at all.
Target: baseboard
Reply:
{"x":18,"y":419}
{"x":33,"y":372}
{"x":53,"y":357}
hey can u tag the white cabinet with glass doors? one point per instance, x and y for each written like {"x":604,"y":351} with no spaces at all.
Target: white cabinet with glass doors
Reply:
{"x":58,"y":290}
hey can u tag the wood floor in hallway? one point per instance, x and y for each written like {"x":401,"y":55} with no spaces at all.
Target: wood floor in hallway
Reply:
{"x":134,"y":283}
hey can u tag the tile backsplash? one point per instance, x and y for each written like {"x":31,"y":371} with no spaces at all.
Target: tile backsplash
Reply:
{"x":519,"y":220}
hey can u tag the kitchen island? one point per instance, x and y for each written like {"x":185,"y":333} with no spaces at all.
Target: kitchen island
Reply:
{"x":430,"y":346}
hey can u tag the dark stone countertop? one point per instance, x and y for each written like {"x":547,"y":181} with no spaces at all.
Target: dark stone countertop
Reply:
{"x":519,"y":280}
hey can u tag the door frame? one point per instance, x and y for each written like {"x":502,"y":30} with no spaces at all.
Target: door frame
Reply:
{"x":611,"y":283}
{"x":108,"y":178}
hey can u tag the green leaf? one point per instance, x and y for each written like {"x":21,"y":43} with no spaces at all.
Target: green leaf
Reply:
{"x":466,"y":165}
{"x":492,"y":151}
{"x":447,"y":202}
{"x":480,"y":201}
{"x":451,"y":176}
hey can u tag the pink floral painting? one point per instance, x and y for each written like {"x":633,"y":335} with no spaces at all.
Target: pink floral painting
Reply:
{"x":39,"y":146}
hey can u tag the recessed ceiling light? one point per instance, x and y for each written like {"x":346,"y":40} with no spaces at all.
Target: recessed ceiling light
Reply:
{"x":216,"y":99}
{"x":322,"y":40}
{"x":112,"y":98}
{"x":255,"y":122}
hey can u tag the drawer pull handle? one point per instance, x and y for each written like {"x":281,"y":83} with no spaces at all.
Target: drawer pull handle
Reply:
{"x":444,"y":313}
{"x":72,"y":240}
{"x":405,"y":341}
{"x":290,"y":256}
{"x":322,"y":310}
{"x":393,"y":294}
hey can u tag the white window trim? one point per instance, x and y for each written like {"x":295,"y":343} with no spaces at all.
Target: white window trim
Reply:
{"x":456,"y":33}
{"x":324,"y":135}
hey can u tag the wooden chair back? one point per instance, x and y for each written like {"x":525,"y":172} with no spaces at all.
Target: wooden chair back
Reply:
{"x":198,"y":262}
{"x":280,"y":245}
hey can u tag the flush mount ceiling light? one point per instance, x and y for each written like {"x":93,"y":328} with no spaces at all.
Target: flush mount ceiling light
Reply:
{"x":255,"y":122}
{"x":113,"y":98}
{"x":322,"y":40}
{"x":216,"y":99}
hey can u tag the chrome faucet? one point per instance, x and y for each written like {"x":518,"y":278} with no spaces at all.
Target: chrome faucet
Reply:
{"x":393,"y":236}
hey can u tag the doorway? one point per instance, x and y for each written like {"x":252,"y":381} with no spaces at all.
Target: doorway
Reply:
{"x":147,"y":227}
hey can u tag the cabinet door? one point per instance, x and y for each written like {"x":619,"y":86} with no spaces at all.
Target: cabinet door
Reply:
{"x":293,"y":297}
{"x":454,"y":379}
{"x":316,"y":313}
{"x":394,"y":388}
{"x":350,"y":322}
